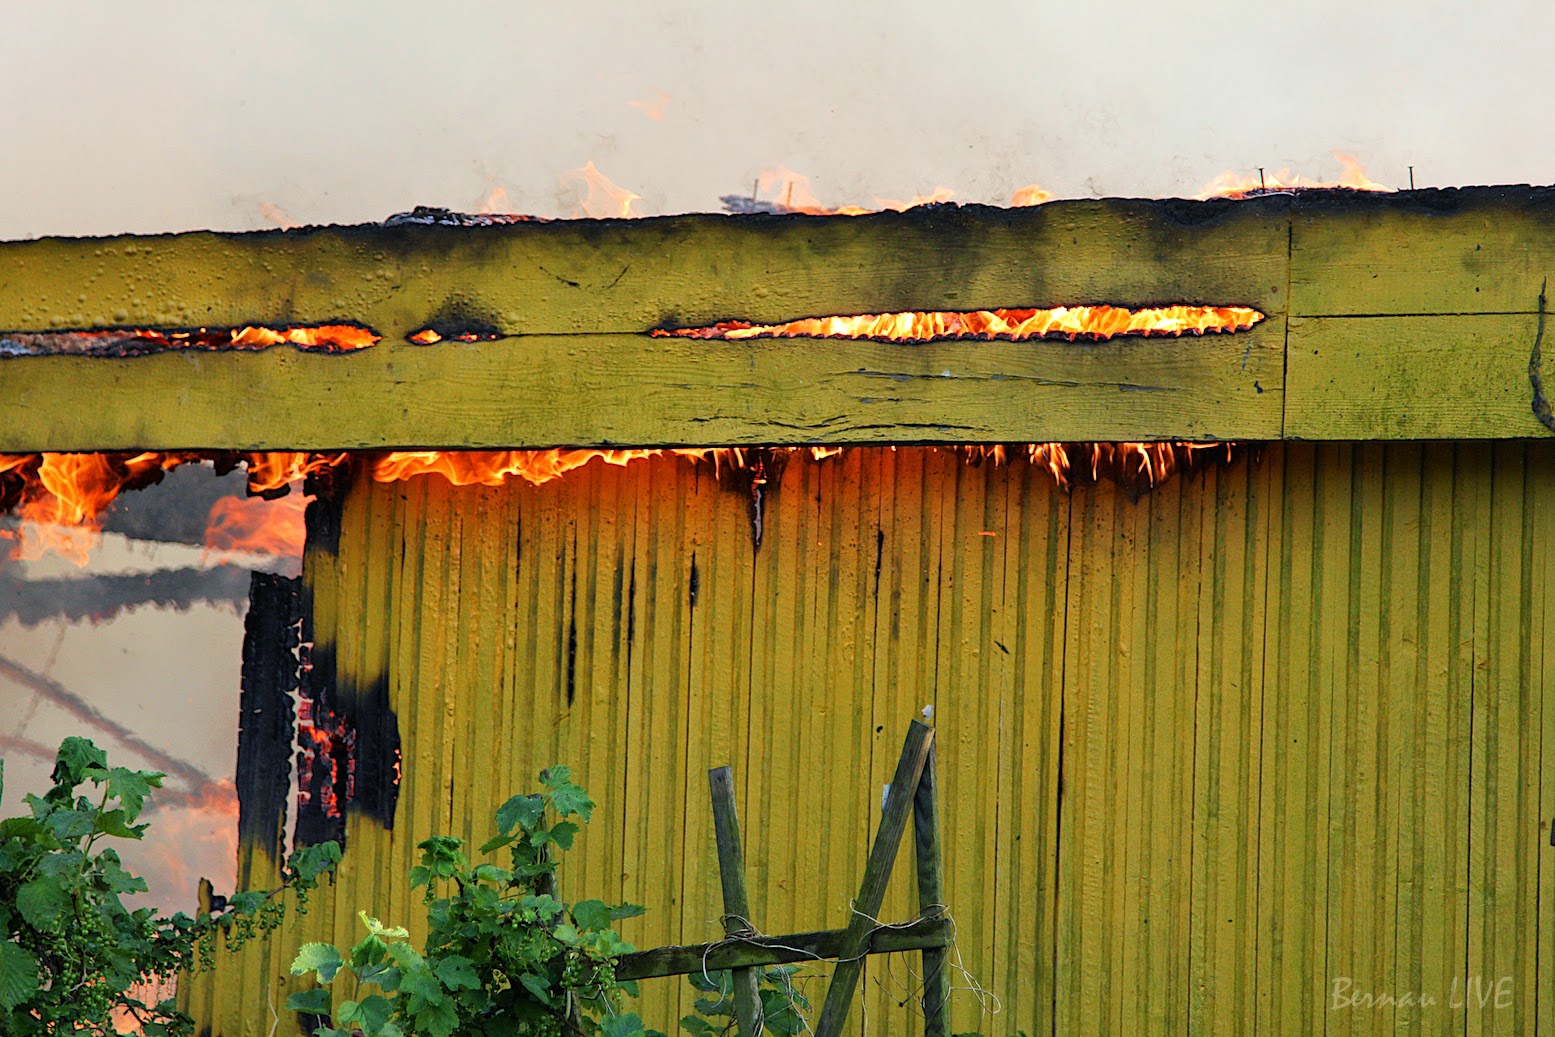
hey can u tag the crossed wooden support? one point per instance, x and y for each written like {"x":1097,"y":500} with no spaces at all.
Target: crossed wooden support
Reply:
{"x":912,"y":792}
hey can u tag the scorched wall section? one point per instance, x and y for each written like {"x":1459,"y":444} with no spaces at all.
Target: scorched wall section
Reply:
{"x":1202,"y":755}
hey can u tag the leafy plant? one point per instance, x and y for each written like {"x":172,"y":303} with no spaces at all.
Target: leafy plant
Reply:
{"x":504,"y":957}
{"x":783,"y":1007}
{"x":73,"y":955}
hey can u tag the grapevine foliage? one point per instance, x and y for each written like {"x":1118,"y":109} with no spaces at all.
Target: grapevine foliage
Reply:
{"x":73,"y":955}
{"x":782,"y":1006}
{"x":504,"y":957}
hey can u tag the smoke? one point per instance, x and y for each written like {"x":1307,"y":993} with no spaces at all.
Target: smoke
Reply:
{"x":101,"y":598}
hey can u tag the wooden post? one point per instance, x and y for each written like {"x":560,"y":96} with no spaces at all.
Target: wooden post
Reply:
{"x":931,"y":897}
{"x":731,"y":871}
{"x":893,"y":823}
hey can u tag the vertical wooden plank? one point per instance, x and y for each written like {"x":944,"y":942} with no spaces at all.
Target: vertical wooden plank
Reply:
{"x":1084,"y":994}
{"x":1474,"y":486}
{"x":1541,"y":502}
{"x":1446,"y":586}
{"x":1504,"y":820}
{"x":971,"y":681}
{"x":1227,"y":726}
{"x":1135,"y":710}
{"x":838,"y":685}
{"x":1363,"y":911}
{"x":1293,"y":871}
{"x":1166,"y":559}
{"x":1402,"y":652}
{"x":656,"y":708}
{"x":722,"y":553}
{"x":1026,"y":852}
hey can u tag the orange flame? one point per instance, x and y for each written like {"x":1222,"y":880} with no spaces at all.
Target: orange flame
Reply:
{"x":1231,"y":184}
{"x":1092,"y":322}
{"x":274,"y":470}
{"x":495,"y":467}
{"x":278,"y":216}
{"x":1031,"y":194}
{"x":791,"y":192}
{"x":63,"y":495}
{"x":1135,"y":465}
{"x":496,"y":200}
{"x":61,"y":498}
{"x":326,"y":338}
{"x":602,"y":199}
{"x":254,"y":525}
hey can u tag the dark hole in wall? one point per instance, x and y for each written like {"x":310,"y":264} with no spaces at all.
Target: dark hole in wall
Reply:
{"x":271,"y":676}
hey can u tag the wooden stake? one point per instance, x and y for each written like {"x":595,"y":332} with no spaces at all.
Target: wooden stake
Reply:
{"x":731,"y":871}
{"x":931,"y":897}
{"x":877,"y":872}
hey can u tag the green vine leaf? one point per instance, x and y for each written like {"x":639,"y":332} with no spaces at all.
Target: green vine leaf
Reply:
{"x":71,"y":952}
{"x":457,"y":973}
{"x":315,"y":1001}
{"x":18,"y":976}
{"x":504,"y":956}
{"x":322,"y":958}
{"x":520,"y":812}
{"x":76,"y":756}
{"x":42,"y":901}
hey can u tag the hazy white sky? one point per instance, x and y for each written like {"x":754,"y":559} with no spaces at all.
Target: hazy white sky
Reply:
{"x":160,"y":115}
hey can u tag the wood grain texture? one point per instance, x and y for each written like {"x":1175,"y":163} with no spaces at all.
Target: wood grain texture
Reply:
{"x":1387,"y":378}
{"x":631,"y":390}
{"x":592,"y":276}
{"x":1460,"y":251}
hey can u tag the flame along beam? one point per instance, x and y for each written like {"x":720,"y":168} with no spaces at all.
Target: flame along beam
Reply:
{"x":1388,"y":316}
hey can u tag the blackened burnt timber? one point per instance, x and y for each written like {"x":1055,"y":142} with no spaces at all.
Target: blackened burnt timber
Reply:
{"x":266,"y":730}
{"x":348,"y":737}
{"x":1405,"y":315}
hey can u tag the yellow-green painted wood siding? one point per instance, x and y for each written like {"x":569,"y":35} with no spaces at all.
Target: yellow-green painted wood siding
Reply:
{"x":1203,"y":755}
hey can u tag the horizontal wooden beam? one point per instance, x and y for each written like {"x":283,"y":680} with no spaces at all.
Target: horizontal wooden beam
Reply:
{"x":1388,"y":316}
{"x":633,"y":390}
{"x":778,"y":950}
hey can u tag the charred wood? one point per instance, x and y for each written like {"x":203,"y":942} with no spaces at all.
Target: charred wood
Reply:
{"x":266,"y":731}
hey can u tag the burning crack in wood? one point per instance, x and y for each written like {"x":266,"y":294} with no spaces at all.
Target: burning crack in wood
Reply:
{"x":131,"y":342}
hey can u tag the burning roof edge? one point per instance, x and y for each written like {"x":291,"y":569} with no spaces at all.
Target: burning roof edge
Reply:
{"x":1407,"y":315}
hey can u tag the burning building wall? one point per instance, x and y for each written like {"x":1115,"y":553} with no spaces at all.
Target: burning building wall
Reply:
{"x":1202,"y":749}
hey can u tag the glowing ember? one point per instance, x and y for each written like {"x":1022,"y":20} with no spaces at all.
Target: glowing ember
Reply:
{"x":323,"y":338}
{"x":430,"y":336}
{"x":601,"y":199}
{"x":1092,"y":322}
{"x":1231,"y":184}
